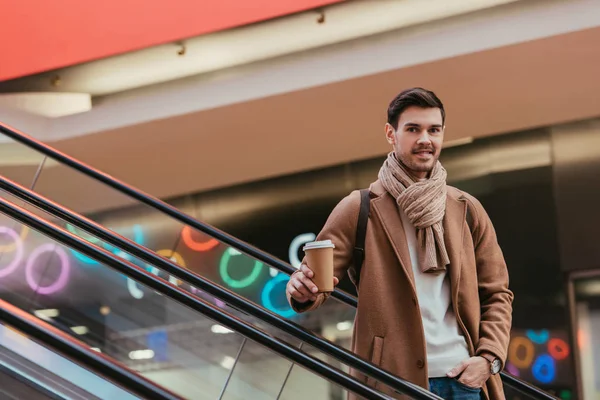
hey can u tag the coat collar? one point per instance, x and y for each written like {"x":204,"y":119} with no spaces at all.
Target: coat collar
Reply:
{"x":386,"y":210}
{"x":454,"y":234}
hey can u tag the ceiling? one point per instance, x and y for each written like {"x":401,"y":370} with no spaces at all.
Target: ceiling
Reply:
{"x":44,"y":36}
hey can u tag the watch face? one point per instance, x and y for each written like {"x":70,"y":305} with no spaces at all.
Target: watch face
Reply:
{"x":496,"y":365}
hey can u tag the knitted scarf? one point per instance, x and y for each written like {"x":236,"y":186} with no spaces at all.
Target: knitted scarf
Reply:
{"x":424,"y":203}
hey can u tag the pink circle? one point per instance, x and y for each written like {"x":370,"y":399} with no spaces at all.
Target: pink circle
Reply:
{"x":511,"y":369}
{"x":61,"y":282}
{"x":18,"y":251}
{"x":220,"y":304}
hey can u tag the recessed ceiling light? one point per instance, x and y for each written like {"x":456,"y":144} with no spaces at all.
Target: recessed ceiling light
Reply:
{"x":145,"y":354}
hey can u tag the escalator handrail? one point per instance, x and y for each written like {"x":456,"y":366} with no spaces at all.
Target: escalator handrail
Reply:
{"x":173,"y":212}
{"x":197,"y":304}
{"x":526,"y":388}
{"x":160,"y":205}
{"x":232,"y":299}
{"x":81,"y":354}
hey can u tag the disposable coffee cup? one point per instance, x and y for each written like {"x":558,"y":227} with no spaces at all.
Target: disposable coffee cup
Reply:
{"x":319,"y":257}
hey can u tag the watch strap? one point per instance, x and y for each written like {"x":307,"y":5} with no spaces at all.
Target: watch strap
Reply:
{"x":495,"y":364}
{"x":490,"y":357}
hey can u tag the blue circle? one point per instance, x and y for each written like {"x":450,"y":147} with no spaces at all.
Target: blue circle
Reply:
{"x":268,"y":290}
{"x":539,"y":338}
{"x":138,"y":237}
{"x":544,"y":369}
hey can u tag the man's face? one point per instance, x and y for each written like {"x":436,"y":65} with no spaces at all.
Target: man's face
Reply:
{"x":418,"y":140}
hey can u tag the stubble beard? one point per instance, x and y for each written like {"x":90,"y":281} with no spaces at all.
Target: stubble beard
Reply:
{"x":415,"y":166}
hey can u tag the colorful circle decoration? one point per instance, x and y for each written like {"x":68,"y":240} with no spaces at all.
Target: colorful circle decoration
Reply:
{"x":176,"y":258}
{"x":522,"y":355}
{"x":297,"y":242}
{"x":186,"y":236}
{"x":267,"y":293}
{"x":540,"y":337}
{"x":521,"y":352}
{"x":17,"y":245}
{"x":511,"y":369}
{"x":62,"y":279}
{"x":558,"y":349}
{"x":82,"y":234}
{"x":138,"y":237}
{"x":7,"y":248}
{"x":238,"y":283}
{"x":544,"y":369}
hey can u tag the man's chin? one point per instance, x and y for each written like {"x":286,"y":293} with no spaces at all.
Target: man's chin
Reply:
{"x":423,"y":167}
{"x":419,"y":166}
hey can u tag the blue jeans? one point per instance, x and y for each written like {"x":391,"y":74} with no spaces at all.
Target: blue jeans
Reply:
{"x":451,"y":389}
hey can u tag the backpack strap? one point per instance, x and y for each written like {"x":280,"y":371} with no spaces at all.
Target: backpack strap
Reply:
{"x":469,"y":217}
{"x":361,"y":233}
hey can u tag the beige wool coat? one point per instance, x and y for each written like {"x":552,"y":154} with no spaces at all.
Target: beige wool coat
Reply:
{"x":388,"y":329}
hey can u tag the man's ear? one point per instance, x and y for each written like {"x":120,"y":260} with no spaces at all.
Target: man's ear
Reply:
{"x":390,"y":134}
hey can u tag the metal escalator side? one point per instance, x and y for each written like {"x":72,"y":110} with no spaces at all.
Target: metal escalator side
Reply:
{"x":37,"y":357}
{"x":188,"y":306}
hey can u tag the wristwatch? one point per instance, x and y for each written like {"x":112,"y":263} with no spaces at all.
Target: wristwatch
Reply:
{"x":495,"y":363}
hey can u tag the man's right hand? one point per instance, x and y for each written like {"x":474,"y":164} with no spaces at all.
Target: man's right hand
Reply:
{"x":301,"y":287}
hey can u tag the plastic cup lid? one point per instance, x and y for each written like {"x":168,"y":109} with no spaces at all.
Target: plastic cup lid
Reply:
{"x":323,"y":244}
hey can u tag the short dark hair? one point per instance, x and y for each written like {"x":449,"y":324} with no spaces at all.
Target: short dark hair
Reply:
{"x":418,"y":97}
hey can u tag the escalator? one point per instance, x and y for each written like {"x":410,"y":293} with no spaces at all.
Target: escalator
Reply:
{"x":180,"y":355}
{"x":38,"y":361}
{"x":31,"y":371}
{"x":168,"y":338}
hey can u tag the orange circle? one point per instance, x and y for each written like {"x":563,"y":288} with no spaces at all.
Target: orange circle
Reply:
{"x":177,"y":259}
{"x":173,"y":256}
{"x":513,"y":352}
{"x":7,"y":248}
{"x":558,"y":349}
{"x":186,"y":235}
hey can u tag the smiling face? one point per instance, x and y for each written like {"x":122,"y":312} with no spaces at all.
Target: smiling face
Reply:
{"x":417,"y":142}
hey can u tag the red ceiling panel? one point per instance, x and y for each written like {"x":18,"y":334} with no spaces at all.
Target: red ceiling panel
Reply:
{"x":41,"y":35}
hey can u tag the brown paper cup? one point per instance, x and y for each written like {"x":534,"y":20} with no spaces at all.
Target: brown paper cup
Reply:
{"x":319,"y":257}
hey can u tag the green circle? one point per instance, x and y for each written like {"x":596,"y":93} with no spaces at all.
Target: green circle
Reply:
{"x":566,"y":394}
{"x":84,"y":235}
{"x":237,"y":283}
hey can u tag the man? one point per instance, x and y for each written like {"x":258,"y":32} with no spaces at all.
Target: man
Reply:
{"x":434,"y":305}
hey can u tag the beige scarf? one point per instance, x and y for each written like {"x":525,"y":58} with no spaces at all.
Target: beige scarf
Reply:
{"x":424,"y":203}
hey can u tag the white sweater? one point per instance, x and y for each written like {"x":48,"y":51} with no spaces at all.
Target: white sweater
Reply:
{"x":446,"y":347}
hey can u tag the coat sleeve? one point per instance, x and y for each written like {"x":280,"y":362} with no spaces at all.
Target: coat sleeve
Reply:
{"x":495,"y":296}
{"x":340,"y":228}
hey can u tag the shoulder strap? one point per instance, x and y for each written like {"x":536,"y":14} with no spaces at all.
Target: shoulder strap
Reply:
{"x":470,"y":220}
{"x":361,"y":234}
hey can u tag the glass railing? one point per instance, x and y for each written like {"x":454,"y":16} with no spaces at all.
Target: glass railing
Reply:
{"x":257,"y":315}
{"x":172,"y":231}
{"x":37,"y":372}
{"x":54,"y":365}
{"x":174,"y":339}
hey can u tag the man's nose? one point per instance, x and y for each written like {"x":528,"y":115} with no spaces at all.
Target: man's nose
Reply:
{"x":424,"y":138}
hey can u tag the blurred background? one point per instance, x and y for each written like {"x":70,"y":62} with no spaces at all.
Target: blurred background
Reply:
{"x":258,"y":116}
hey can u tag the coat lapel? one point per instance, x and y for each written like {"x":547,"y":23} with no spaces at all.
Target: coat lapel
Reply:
{"x":454,"y":225}
{"x":386,"y":210}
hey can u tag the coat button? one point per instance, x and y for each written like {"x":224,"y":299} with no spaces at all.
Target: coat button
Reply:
{"x":420,"y":363}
